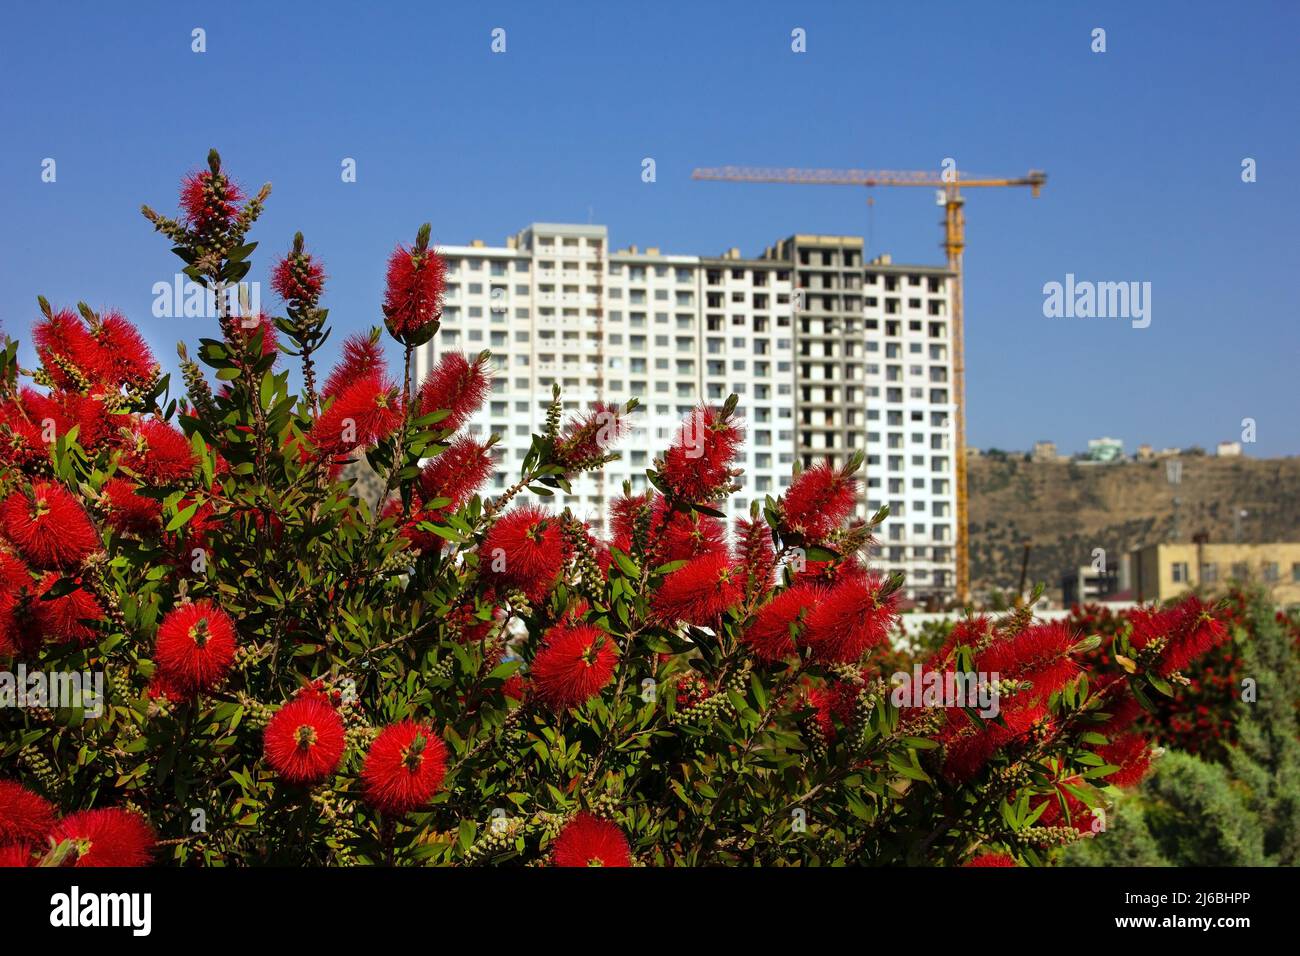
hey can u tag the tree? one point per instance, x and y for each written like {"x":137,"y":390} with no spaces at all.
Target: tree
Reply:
{"x":1241,"y":809}
{"x":449,"y":678}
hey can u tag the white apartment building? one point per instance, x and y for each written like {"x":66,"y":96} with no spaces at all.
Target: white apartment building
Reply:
{"x":827,"y":355}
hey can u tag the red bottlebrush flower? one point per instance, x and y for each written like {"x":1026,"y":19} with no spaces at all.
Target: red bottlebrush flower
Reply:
{"x":95,"y":426}
{"x":1133,"y":757}
{"x":10,"y":635}
{"x":23,"y":814}
{"x":972,"y":632}
{"x":1196,"y":630}
{"x":573,"y":664}
{"x":404,"y":768}
{"x":22,"y":436}
{"x":818,"y":501}
{"x":107,"y":838}
{"x":587,"y":840}
{"x":700,"y":592}
{"x":50,"y":528}
{"x":161,"y":454}
{"x":697,"y":466}
{"x":770,"y":635}
{"x":833,"y":704}
{"x":195,"y":647}
{"x":672,"y":535}
{"x":298,"y":278}
{"x":1149,"y":623}
{"x":524,"y":550}
{"x":14,"y":575}
{"x":457,"y":385}
{"x":13,"y":855}
{"x":586,"y":440}
{"x":514,"y":687}
{"x":66,"y":350}
{"x":970,"y":747}
{"x":365,"y":413}
{"x":209,"y":200}
{"x":1040,"y":654}
{"x":128,"y":512}
{"x":685,"y":535}
{"x":623,"y":516}
{"x":850,"y":619}
{"x":122,"y":356}
{"x":417,"y":279}
{"x":990,"y":860}
{"x":363,"y":357}
{"x":64,"y":618}
{"x":457,"y":472}
{"x":755,"y":553}
{"x":304,"y":741}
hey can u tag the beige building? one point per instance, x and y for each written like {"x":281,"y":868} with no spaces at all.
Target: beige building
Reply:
{"x":1161,"y":571}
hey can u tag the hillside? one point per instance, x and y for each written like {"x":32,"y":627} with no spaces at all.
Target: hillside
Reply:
{"x":1067,"y":509}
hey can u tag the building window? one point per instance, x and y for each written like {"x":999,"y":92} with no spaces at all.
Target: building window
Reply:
{"x":1270,"y":571}
{"x":1179,"y":571}
{"x":1209,"y":573}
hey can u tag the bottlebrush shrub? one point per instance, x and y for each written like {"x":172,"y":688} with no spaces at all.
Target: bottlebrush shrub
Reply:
{"x":1198,"y":712}
{"x":293,"y":676}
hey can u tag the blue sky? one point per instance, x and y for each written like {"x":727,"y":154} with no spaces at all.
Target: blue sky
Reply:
{"x":1143,"y":145}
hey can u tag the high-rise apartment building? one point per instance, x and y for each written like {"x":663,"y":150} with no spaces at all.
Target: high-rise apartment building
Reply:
{"x":828,"y":355}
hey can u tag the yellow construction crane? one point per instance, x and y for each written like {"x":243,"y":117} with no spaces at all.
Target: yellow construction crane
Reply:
{"x":949,"y":182}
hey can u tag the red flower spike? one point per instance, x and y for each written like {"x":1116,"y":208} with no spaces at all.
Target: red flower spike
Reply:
{"x":990,"y":860}
{"x":128,"y":512}
{"x":697,"y":466}
{"x":1131,"y":754}
{"x":195,"y":647}
{"x":161,"y":454}
{"x":298,"y":279}
{"x":850,"y":619}
{"x":64,"y":618}
{"x":700,"y":592}
{"x":304,"y":740}
{"x":106,"y":838}
{"x":818,"y":501}
{"x":50,"y":528}
{"x":209,"y":200}
{"x":770,"y":634}
{"x":457,"y":385}
{"x":1040,"y":654}
{"x":123,"y":357}
{"x":587,"y":840}
{"x":417,"y":279}
{"x":573,"y":664}
{"x":23,"y":814}
{"x":755,"y":553}
{"x":66,"y":350}
{"x":363,"y":357}
{"x":13,"y":855}
{"x":591,"y":436}
{"x":523,"y":550}
{"x":404,"y":768}
{"x":368,"y":411}
{"x":457,"y":472}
